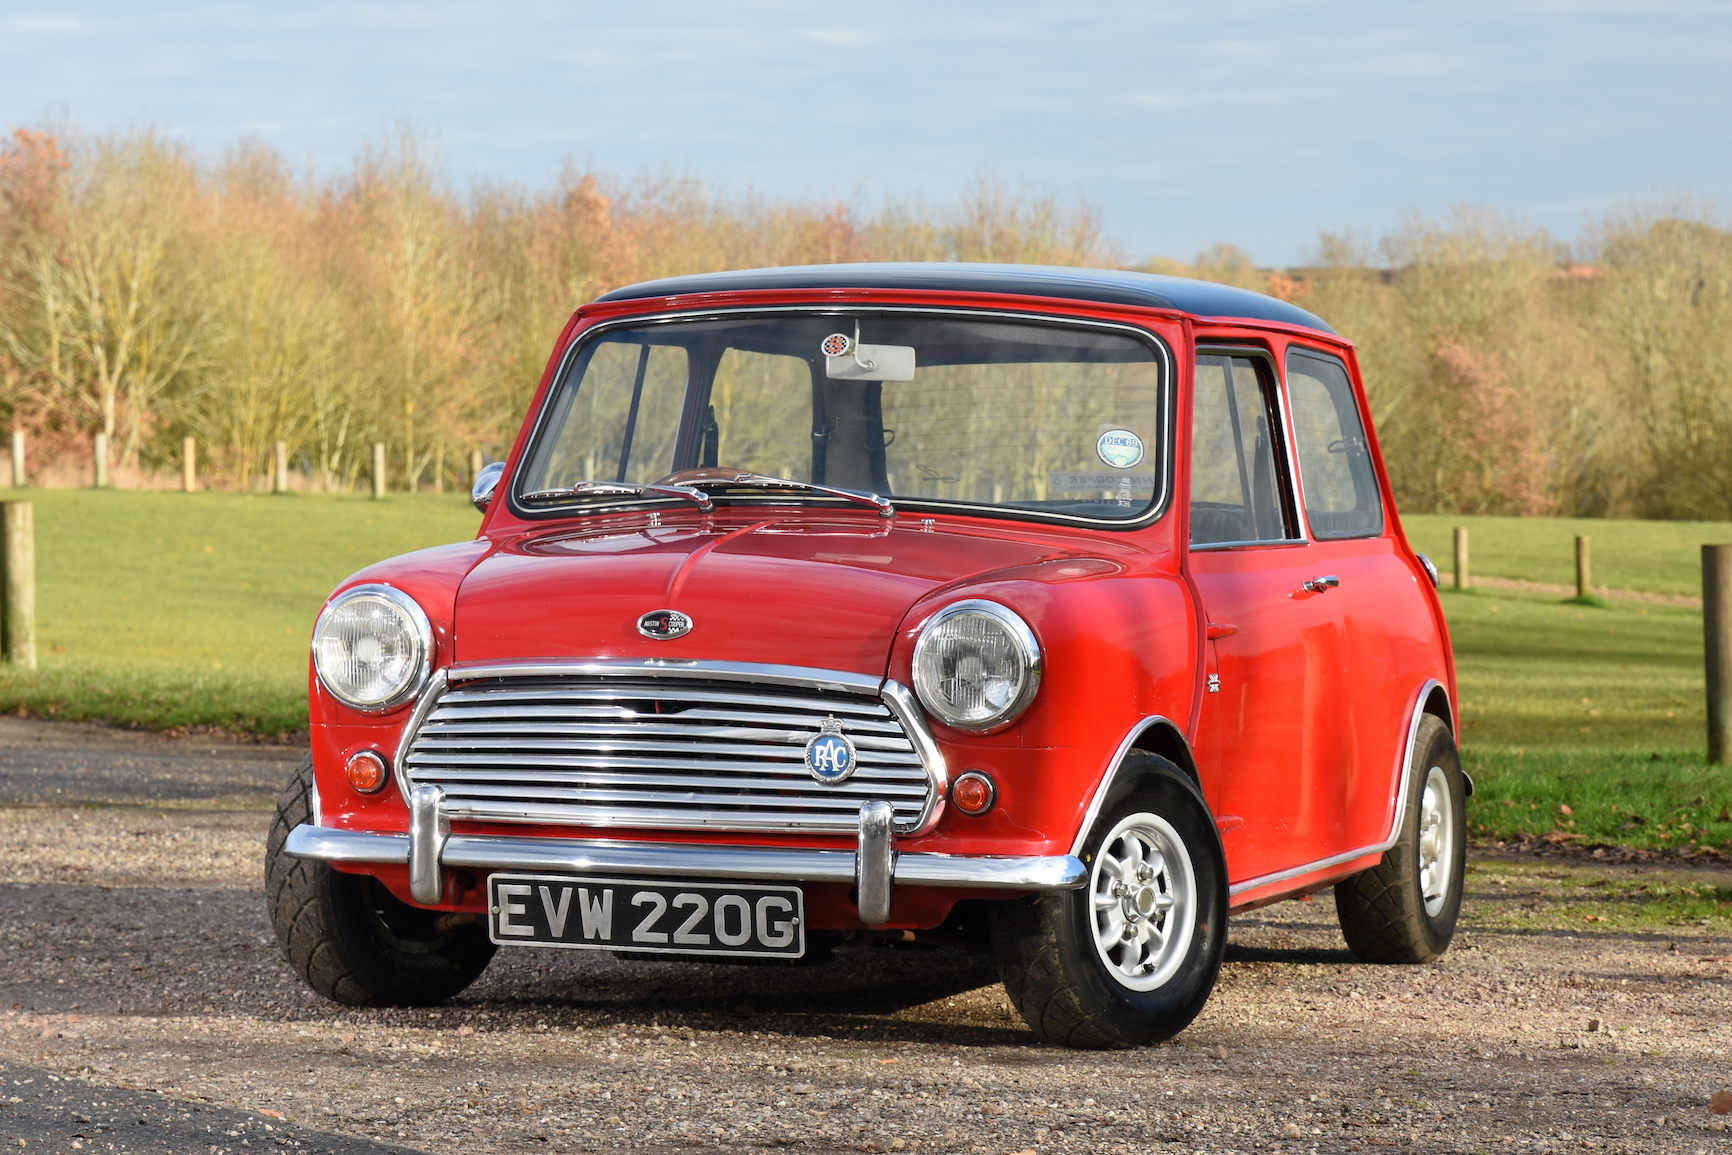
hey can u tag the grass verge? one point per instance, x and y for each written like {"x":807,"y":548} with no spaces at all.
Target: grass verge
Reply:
{"x":166,"y":609}
{"x":1505,"y":894}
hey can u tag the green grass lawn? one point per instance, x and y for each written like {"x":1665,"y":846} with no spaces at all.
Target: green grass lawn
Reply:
{"x":168,"y":609}
{"x":1657,"y":556}
{"x":174,"y":609}
{"x":1599,"y":710}
{"x":1584,"y":720}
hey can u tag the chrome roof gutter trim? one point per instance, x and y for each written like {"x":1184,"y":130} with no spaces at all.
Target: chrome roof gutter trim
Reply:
{"x":686,"y":860}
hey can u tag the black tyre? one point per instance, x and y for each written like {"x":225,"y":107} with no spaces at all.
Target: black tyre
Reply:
{"x":1404,"y":909}
{"x":1131,"y":958}
{"x":349,"y":937}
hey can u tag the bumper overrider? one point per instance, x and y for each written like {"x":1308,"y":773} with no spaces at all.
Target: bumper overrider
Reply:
{"x":875,"y":866}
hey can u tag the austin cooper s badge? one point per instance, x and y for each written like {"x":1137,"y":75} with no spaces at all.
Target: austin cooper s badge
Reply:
{"x":830,"y":754}
{"x":664,"y":624}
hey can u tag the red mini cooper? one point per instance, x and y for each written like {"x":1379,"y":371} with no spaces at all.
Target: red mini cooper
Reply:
{"x":1060,"y":610}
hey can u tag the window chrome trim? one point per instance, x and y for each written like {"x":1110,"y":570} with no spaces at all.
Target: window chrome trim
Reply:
{"x":1142,"y":727}
{"x":1392,"y":830}
{"x":1287,"y":542}
{"x":1164,"y":357}
{"x":899,"y":699}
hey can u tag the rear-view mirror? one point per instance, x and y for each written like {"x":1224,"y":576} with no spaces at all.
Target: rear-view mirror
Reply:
{"x":845,"y":359}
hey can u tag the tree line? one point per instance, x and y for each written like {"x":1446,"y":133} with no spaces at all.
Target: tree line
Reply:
{"x":151,"y":297}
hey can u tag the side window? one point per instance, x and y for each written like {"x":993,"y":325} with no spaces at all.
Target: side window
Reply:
{"x":621,"y":421}
{"x":1341,"y":495}
{"x":1236,"y":490}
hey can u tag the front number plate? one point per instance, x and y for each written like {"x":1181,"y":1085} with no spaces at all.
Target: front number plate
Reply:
{"x":654,"y":917}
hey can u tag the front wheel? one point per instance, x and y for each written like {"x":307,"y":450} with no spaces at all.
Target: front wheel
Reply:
{"x":349,"y":937}
{"x":1404,"y":909}
{"x":1129,"y":959}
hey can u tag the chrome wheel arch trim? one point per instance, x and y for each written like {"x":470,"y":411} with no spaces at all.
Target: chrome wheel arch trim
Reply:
{"x":1392,"y":829}
{"x":1143,"y":726}
{"x":898,"y":698}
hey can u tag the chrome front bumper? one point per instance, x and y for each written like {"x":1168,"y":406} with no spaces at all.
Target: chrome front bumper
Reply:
{"x":875,"y":867}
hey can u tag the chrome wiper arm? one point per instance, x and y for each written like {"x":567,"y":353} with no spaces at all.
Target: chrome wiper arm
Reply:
{"x":626,"y":489}
{"x":764,"y":481}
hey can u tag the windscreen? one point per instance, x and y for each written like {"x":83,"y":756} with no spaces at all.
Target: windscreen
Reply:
{"x":1006,"y":414}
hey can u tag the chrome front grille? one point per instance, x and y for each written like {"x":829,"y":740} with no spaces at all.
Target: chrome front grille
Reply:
{"x":660,"y":753}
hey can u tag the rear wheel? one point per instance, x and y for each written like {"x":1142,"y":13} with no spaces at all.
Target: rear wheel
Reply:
{"x":349,"y":936}
{"x":1404,"y":909}
{"x":1131,"y":957}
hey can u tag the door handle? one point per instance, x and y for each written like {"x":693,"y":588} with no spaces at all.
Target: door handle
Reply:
{"x":1318,"y":584}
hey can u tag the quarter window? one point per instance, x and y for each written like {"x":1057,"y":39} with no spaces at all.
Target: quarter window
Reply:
{"x":1236,"y":490}
{"x":1341,"y":494}
{"x":621,"y":424}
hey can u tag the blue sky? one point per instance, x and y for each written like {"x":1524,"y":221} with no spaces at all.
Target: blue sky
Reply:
{"x":1260,"y":124}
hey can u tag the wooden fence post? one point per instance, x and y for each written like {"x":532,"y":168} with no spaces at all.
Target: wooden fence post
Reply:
{"x":1461,"y":578}
{"x":99,"y":452}
{"x":1584,"y":587}
{"x":1717,"y":647}
{"x":476,"y":461}
{"x":439,"y":469}
{"x":280,"y":482}
{"x":188,"y":465}
{"x":19,"y":478}
{"x":378,"y":471}
{"x":18,"y":583}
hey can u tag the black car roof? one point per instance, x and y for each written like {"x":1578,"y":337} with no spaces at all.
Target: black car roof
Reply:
{"x":1111,"y":286}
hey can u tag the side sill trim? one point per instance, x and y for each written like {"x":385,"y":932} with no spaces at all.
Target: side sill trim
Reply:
{"x":1309,"y":868}
{"x":685,"y":860}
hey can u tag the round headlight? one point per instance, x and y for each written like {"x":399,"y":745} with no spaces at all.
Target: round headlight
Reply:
{"x":976,"y":665}
{"x":372,"y":647}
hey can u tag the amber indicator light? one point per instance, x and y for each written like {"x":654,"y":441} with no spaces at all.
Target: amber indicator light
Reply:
{"x":974,"y":793}
{"x":366,"y":771}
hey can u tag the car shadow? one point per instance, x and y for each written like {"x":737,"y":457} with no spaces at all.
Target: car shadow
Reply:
{"x":924,"y":995}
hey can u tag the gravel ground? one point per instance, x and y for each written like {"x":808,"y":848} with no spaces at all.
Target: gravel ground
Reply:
{"x":137,"y":955}
{"x":60,"y":763}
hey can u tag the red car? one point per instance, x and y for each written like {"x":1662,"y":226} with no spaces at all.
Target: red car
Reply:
{"x":1058,"y":611}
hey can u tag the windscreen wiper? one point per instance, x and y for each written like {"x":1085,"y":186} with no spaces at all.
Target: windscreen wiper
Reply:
{"x":764,"y":481}
{"x":624,"y":489}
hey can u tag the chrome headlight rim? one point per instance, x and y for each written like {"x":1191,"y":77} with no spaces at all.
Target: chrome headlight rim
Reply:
{"x":421,"y":630}
{"x":1026,"y":643}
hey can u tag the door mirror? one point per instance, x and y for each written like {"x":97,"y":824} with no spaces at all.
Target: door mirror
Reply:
{"x":485,"y":483}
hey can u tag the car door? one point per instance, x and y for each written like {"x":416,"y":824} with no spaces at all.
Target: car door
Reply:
{"x":1381,"y":606}
{"x":1270,"y":732}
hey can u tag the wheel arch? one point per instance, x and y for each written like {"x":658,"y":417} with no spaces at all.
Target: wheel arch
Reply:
{"x":1436,"y":702}
{"x":1156,"y":734}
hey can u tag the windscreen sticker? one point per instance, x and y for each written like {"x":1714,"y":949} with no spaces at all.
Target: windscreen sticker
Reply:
{"x":1120,"y":448}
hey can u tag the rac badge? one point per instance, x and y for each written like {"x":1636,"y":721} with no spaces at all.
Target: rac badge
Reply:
{"x":830,"y":754}
{"x":664,"y":624}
